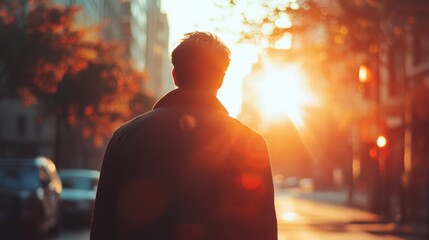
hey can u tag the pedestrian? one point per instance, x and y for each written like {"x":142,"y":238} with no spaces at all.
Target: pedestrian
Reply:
{"x":186,"y":169}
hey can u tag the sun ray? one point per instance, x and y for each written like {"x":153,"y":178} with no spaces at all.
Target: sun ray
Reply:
{"x":282,"y":94}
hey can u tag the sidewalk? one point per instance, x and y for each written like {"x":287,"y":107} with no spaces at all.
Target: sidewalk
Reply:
{"x":376,"y":225}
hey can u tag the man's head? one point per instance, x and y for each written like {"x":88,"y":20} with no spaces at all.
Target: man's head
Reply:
{"x":200,"y":61}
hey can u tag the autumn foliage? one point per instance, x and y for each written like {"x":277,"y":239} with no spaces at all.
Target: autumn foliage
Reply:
{"x":46,"y":58}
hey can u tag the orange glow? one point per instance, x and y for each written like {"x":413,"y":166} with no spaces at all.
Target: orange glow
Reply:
{"x":373,"y":153}
{"x":88,"y":110}
{"x":363,"y":74}
{"x":282,"y":94}
{"x":289,"y":216}
{"x":250,"y":181}
{"x":381,"y":141}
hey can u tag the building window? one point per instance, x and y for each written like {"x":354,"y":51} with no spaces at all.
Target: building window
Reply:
{"x":21,"y":125}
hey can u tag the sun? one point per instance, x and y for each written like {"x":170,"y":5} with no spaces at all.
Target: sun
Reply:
{"x":281,"y":93}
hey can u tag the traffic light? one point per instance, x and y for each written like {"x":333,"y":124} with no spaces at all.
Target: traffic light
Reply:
{"x":365,"y":81}
{"x":363,"y":74}
{"x":381,"y":141}
{"x":379,"y":149}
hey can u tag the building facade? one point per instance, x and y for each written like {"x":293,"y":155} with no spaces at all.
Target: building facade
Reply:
{"x":404,"y":114}
{"x":143,"y":30}
{"x":145,"y":34}
{"x":25,"y":131}
{"x":103,"y":13}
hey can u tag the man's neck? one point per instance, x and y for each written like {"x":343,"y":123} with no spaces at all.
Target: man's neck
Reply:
{"x":201,"y":90}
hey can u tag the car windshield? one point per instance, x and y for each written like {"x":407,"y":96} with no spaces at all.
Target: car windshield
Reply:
{"x":82,"y":183}
{"x":19,"y":177}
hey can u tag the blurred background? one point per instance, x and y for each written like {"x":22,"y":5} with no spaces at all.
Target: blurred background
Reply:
{"x":338,"y":88}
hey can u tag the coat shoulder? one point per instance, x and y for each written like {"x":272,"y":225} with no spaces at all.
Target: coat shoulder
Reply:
{"x":129,"y":127}
{"x":245,"y":129}
{"x":133,"y":123}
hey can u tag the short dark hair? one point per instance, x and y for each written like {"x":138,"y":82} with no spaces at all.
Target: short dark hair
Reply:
{"x":200,"y":61}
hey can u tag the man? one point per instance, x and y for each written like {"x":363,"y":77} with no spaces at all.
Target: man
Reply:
{"x":186,"y":170}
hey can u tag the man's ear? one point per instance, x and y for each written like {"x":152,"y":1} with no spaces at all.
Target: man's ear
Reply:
{"x":173,"y":73}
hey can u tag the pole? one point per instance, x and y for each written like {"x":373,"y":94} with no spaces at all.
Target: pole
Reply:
{"x":356,"y":167}
{"x":58,"y":136}
{"x":406,"y":177}
{"x":381,"y":199}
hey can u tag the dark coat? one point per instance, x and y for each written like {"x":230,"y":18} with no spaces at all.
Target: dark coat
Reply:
{"x":185,"y":170}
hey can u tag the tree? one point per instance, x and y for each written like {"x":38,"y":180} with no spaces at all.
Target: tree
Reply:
{"x":339,"y":33}
{"x":360,"y":26}
{"x":79,"y":78}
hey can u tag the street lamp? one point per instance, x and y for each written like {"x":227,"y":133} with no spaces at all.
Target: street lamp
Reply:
{"x":367,"y":83}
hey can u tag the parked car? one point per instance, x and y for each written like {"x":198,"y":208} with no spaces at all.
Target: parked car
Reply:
{"x":279,"y":181}
{"x":78,"y":195}
{"x":306,"y":185}
{"x":292,"y":182}
{"x":29,"y":196}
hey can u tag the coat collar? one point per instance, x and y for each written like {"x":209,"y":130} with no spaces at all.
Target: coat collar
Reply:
{"x":187,"y":97}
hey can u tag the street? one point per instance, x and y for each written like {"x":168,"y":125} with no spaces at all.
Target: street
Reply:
{"x":310,"y":219}
{"x":307,"y":219}
{"x":73,"y":234}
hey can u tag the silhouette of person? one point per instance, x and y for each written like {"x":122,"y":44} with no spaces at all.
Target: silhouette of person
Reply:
{"x":186,"y":169}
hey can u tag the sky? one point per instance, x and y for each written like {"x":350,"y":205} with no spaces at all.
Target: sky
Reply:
{"x":197,"y":15}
